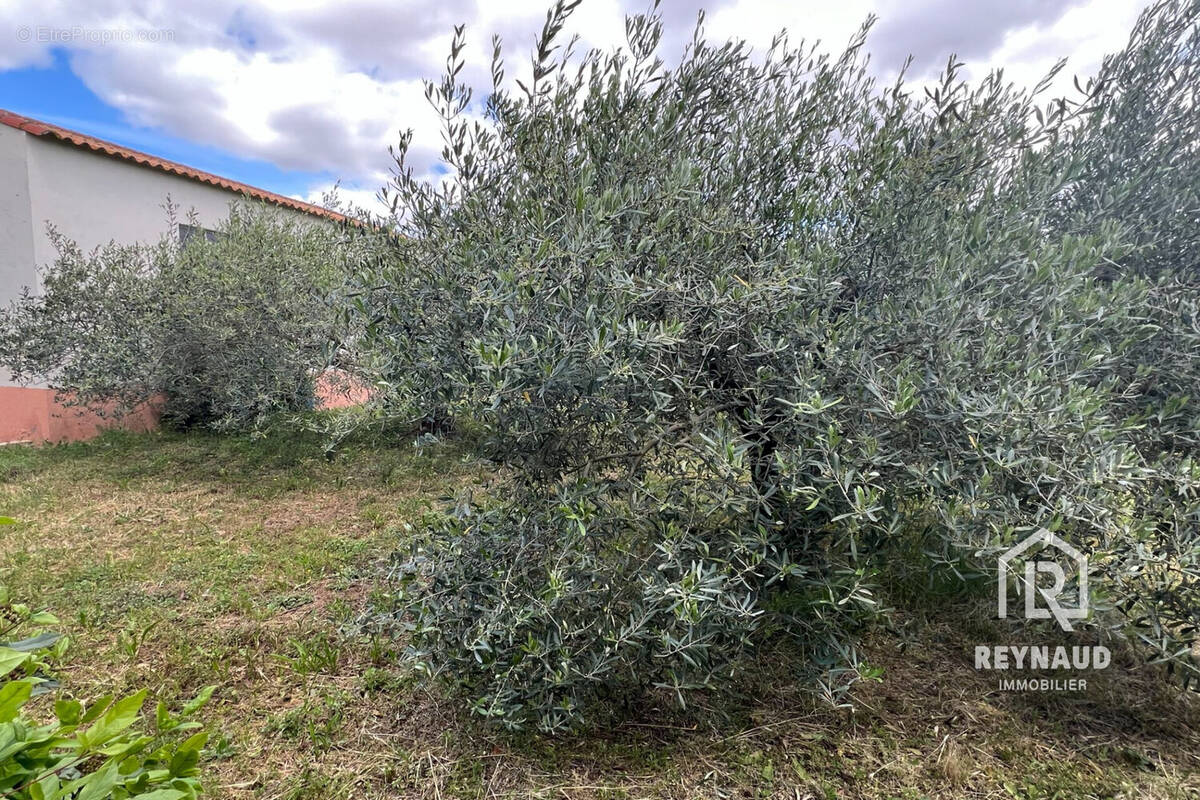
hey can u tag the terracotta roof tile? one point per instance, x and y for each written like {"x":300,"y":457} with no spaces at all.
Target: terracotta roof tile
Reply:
{"x":39,"y":128}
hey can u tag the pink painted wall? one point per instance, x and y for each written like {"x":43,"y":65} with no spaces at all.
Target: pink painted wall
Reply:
{"x":336,"y":389}
{"x":37,"y":416}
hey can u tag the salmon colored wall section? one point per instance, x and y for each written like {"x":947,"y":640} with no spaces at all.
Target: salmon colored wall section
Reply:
{"x":24,"y":414}
{"x":336,"y":389}
{"x":37,"y":416}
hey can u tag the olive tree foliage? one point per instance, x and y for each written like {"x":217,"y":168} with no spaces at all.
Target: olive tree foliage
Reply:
{"x":227,"y":329}
{"x":742,"y":326}
{"x":1139,"y":152}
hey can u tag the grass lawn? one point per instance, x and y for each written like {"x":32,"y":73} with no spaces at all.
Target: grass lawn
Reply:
{"x":178,"y":561}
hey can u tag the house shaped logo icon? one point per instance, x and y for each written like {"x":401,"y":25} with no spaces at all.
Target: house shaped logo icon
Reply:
{"x":1044,"y":602}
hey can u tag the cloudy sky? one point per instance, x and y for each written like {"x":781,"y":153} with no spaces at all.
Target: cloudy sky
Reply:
{"x":295,"y":95}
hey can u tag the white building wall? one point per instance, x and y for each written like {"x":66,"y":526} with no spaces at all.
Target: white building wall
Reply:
{"x":92,"y":199}
{"x":16,"y":222}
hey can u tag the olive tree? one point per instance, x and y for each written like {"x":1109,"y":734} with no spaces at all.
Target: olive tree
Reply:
{"x":740,"y":325}
{"x":227,"y":329}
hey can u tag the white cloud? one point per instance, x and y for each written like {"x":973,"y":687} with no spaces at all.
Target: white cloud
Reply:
{"x":1084,"y":35}
{"x":326,"y":87}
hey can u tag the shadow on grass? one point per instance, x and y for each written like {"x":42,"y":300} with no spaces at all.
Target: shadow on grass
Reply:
{"x":933,"y":727}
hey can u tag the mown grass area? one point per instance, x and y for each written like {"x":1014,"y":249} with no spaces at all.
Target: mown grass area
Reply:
{"x":177,"y":561}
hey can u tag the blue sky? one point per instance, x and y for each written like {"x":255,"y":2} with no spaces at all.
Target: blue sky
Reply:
{"x":56,"y":94}
{"x":297,"y":95}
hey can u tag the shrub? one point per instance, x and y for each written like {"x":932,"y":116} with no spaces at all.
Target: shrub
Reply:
{"x":227,"y":329}
{"x":98,"y":751}
{"x":741,"y":324}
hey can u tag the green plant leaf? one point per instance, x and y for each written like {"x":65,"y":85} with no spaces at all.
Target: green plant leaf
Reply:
{"x":161,"y":794}
{"x":97,"y":707}
{"x":13,"y":695}
{"x":199,"y":701}
{"x":10,"y":659}
{"x":67,"y":711}
{"x":187,"y":755}
{"x":116,"y":719}
{"x":40,"y":642}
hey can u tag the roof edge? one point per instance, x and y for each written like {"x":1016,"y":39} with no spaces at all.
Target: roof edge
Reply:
{"x":36,"y":127}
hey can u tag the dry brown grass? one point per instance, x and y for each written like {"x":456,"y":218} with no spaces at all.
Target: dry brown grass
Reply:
{"x":175,"y":562}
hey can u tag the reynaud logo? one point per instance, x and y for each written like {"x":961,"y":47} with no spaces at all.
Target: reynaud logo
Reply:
{"x":1053,"y":607}
{"x":1013,"y":656}
{"x":1044,"y":556}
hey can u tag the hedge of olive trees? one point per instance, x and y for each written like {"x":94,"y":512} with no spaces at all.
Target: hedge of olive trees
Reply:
{"x":228,"y":330}
{"x":741,"y":326}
